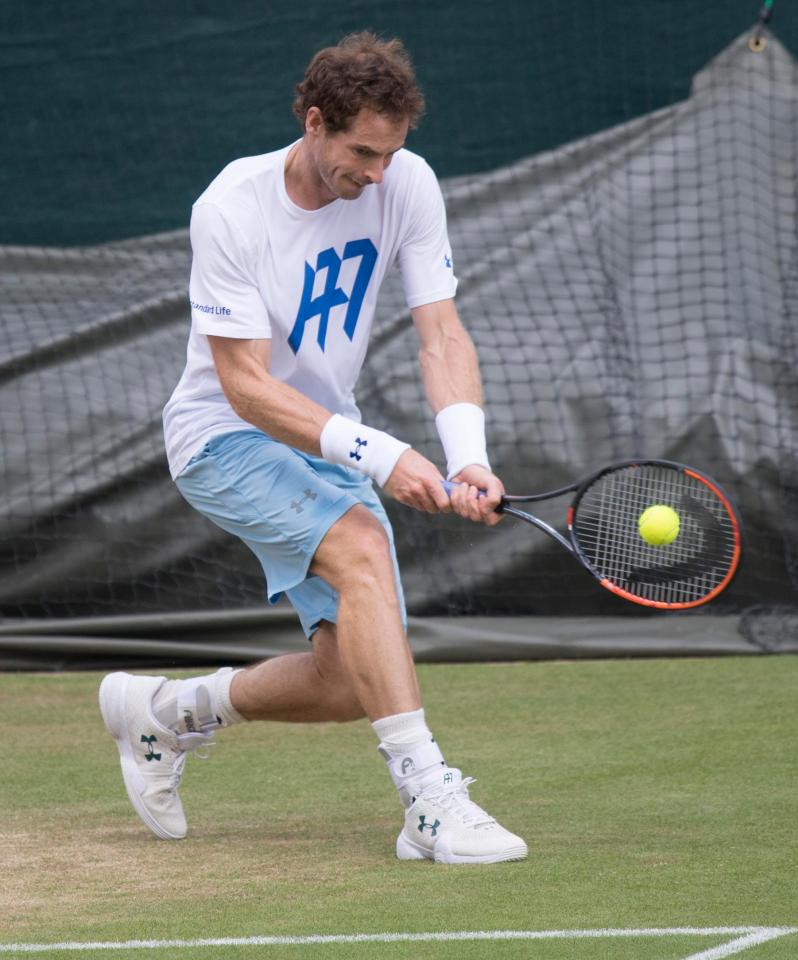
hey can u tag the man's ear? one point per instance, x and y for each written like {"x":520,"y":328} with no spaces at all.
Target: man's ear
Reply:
{"x":314,"y":121}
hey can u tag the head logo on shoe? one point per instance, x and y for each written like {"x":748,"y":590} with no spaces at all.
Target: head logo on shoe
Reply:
{"x":422,"y":822}
{"x":151,"y":754}
{"x":408,"y":766}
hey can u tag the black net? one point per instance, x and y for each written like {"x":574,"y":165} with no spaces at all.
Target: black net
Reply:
{"x":632,"y":293}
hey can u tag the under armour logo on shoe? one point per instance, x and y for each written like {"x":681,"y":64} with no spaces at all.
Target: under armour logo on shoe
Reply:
{"x":407,"y":766}
{"x":448,"y":778}
{"x":356,"y":452}
{"x":307,"y":495}
{"x":151,"y":754}
{"x":422,"y":822}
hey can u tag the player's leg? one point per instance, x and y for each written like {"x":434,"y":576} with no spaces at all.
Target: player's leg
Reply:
{"x":373,"y":674}
{"x":298,"y":687}
{"x":355,"y":558}
{"x":273,"y":499}
{"x":441,"y":821}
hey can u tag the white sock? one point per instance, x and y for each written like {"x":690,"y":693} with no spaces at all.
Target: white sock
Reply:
{"x":414,"y":759}
{"x":402,"y":729}
{"x":220,"y":696}
{"x":209,"y":696}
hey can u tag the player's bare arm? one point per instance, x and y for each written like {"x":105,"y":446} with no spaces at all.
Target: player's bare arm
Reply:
{"x":262,"y":400}
{"x":450,"y":373}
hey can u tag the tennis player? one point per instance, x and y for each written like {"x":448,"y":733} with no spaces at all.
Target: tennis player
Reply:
{"x":264,"y":438}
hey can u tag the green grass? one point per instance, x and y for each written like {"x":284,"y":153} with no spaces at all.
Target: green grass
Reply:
{"x":651,"y":794}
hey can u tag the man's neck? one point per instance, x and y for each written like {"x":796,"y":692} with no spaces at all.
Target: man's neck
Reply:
{"x":303,"y":184}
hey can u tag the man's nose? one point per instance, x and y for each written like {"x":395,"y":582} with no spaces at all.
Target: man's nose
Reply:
{"x":376,"y":169}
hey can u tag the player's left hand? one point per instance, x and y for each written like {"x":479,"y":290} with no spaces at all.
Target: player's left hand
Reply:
{"x":466,"y":500}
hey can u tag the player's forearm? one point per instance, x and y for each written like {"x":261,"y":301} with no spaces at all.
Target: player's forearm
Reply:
{"x":450,"y":372}
{"x":450,"y":369}
{"x":279,"y":410}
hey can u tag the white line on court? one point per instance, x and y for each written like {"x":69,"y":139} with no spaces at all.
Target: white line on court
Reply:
{"x":747,"y":937}
{"x":741,"y":943}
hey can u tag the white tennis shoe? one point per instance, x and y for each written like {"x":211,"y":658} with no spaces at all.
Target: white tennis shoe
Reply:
{"x":152,"y":757}
{"x":443,"y":824}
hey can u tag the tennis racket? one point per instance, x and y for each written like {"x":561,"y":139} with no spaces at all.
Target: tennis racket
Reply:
{"x":688,"y":564}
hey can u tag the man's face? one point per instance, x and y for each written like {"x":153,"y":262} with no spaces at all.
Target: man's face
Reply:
{"x":352,"y":159}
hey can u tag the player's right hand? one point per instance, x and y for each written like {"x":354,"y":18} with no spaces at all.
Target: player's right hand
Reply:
{"x":417,"y":482}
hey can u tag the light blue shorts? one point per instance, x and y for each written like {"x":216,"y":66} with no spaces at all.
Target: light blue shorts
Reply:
{"x":280,"y":502}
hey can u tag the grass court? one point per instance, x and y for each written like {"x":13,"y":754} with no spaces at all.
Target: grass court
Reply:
{"x":658,"y":799}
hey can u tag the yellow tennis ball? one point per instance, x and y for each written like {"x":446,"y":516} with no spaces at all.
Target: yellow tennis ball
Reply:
{"x":658,"y":525}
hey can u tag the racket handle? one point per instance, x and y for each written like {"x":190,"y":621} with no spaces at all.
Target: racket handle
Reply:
{"x":448,"y":486}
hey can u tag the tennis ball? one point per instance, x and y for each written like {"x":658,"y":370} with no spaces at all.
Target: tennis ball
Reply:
{"x":658,"y":525}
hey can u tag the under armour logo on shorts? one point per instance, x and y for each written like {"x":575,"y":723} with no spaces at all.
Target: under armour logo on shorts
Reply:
{"x":307,"y":495}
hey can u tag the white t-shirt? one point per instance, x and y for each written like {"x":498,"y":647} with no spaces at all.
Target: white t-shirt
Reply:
{"x":264,"y":268}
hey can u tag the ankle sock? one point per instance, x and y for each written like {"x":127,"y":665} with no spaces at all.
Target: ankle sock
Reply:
{"x":208,"y":697}
{"x":414,"y":758}
{"x":401,"y":729}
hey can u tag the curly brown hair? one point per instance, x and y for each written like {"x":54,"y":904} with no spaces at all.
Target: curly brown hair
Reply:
{"x":360,"y":72}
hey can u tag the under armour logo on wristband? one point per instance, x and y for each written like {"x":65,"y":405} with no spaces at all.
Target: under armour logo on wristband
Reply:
{"x":307,"y":495}
{"x":355,"y":454}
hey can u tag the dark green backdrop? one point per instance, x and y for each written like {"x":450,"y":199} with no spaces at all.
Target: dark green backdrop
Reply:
{"x":117,"y":114}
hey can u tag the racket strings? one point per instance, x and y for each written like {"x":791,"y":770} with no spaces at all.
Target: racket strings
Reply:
{"x":669,"y":572}
{"x":695,"y":563}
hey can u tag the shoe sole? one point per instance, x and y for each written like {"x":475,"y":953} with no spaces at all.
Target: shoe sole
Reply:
{"x":407,"y":849}
{"x":113,"y":694}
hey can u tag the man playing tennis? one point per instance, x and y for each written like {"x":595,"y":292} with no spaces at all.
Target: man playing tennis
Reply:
{"x":264,"y":438}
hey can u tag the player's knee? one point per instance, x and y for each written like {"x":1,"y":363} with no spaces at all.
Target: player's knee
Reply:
{"x":372,"y":547}
{"x":370,"y":563}
{"x":358,"y":554}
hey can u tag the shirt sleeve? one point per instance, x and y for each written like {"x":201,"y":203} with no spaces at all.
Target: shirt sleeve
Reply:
{"x":225,"y":300}
{"x":425,"y":256}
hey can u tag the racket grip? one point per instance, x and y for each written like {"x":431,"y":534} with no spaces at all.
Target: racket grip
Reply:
{"x":448,"y":486}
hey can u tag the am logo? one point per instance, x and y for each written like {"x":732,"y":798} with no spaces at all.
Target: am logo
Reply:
{"x":332,"y":295}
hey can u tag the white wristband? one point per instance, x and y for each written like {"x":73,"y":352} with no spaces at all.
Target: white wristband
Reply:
{"x":363,"y":448}
{"x":461,"y":427}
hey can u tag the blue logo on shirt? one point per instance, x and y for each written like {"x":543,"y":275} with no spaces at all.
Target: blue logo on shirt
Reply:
{"x":332,"y":295}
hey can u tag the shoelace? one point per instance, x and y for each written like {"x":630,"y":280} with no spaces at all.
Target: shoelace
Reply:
{"x":457,"y":802}
{"x":197,"y":744}
{"x":196,"y":741}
